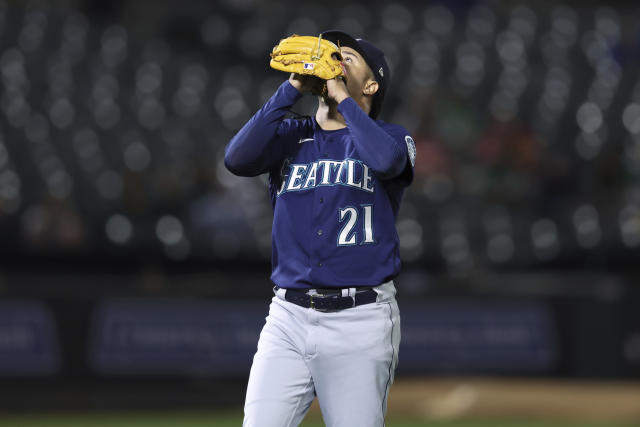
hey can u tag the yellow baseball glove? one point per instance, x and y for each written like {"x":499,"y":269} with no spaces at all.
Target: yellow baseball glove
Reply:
{"x":307,"y":55}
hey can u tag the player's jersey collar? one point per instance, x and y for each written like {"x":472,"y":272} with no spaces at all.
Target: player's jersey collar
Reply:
{"x":317,"y":128}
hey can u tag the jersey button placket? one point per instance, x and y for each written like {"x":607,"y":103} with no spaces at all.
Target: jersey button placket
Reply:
{"x":319,"y":215}
{"x":319,"y":233}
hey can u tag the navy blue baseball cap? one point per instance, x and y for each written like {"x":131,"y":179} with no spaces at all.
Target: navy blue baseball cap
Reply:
{"x":374,"y":58}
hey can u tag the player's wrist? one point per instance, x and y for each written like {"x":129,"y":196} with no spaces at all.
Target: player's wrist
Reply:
{"x":341,"y":97}
{"x":296,"y":82}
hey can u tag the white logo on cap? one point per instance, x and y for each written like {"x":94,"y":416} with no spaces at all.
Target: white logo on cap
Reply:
{"x":381,"y":71}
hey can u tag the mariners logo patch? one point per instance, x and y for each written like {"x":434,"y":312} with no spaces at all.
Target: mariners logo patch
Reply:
{"x":411,"y":149}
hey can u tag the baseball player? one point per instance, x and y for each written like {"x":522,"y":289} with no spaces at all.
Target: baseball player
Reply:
{"x":336,"y":182}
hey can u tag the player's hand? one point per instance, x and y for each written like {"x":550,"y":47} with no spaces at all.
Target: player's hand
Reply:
{"x":337,"y":89}
{"x":306,"y":83}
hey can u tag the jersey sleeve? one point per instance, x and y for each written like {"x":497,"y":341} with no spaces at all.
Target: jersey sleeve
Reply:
{"x":259,"y":145}
{"x":383,"y":148}
{"x":399,"y":133}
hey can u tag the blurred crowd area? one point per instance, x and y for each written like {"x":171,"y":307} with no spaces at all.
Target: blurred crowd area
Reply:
{"x":132,"y":261}
{"x":526,"y":115}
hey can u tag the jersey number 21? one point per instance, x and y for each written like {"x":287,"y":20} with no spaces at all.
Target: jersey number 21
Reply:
{"x":349,"y":215}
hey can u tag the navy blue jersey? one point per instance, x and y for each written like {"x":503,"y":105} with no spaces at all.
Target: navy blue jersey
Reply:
{"x":335,"y":194}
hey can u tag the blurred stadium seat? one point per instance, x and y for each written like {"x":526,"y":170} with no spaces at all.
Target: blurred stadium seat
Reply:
{"x":525,"y":115}
{"x":520,"y":233}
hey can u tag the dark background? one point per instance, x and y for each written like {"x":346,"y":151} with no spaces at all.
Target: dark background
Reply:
{"x":521,"y":230}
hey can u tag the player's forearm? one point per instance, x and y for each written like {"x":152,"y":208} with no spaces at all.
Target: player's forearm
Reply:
{"x":254,"y":148}
{"x":379,"y":150}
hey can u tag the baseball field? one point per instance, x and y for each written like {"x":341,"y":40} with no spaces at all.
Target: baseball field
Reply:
{"x":201,"y":419}
{"x":431,"y":402}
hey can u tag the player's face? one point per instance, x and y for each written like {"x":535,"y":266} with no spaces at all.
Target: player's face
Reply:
{"x":357,"y":72}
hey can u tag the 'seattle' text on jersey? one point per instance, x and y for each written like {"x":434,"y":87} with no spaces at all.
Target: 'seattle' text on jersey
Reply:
{"x":349,"y":172}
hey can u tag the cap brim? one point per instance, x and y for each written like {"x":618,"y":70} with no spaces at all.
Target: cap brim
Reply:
{"x":345,"y":40}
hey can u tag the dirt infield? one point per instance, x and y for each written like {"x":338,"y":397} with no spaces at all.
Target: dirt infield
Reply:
{"x":457,"y":398}
{"x":497,"y":398}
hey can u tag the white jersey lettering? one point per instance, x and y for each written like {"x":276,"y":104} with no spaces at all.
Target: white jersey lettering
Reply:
{"x":326,"y":170}
{"x":366,"y":179}
{"x":340,"y":166}
{"x":349,"y":172}
{"x":311,"y":176}
{"x":295,"y":178}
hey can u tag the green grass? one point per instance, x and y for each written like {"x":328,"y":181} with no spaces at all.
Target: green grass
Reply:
{"x":196,"y":419}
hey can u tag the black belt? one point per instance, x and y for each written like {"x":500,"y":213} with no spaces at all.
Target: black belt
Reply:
{"x":329,"y":299}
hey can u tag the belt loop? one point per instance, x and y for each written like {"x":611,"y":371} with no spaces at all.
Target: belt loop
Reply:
{"x":350,"y":292}
{"x":280,"y":293}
